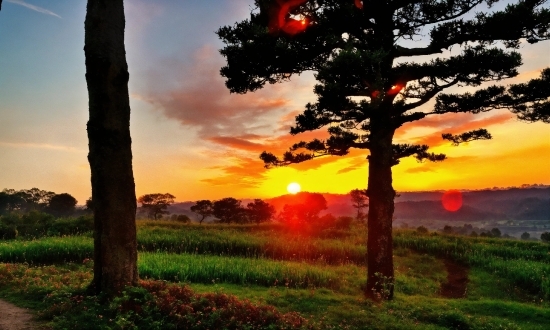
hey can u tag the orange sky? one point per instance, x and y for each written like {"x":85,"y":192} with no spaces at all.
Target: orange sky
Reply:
{"x":194,"y":139}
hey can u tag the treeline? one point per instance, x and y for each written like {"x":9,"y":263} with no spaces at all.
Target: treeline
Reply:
{"x":27,"y":200}
{"x":33,"y":213}
{"x":469,"y":230}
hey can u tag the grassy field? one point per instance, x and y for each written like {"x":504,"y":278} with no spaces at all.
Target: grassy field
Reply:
{"x":202,"y":277}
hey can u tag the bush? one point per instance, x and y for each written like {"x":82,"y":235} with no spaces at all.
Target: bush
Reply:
{"x":183,"y":218}
{"x":545,"y":237}
{"x":525,"y":235}
{"x":38,"y":224}
{"x":422,"y":230}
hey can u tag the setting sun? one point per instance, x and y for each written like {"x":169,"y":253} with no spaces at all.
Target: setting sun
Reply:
{"x":293,"y":188}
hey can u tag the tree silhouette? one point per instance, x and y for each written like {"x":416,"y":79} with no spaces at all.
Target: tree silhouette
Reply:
{"x":545,"y":237}
{"x":359,"y":200}
{"x":203,"y":208}
{"x":259,"y":211}
{"x":357,"y":50}
{"x":110,"y":153}
{"x":62,"y":204}
{"x":228,"y":210}
{"x":156,"y":204}
{"x":305,"y":212}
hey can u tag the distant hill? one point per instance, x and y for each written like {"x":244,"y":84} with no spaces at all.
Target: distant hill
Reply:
{"x":530,"y":203}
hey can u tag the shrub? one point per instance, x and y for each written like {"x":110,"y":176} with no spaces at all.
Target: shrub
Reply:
{"x":183,"y":218}
{"x":525,"y":235}
{"x":422,"y":230}
{"x":545,"y":237}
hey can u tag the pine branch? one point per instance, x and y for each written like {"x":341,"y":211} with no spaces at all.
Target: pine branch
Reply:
{"x":474,"y":66}
{"x":420,"y":152}
{"x":478,"y":134}
{"x":517,"y":21}
{"x":529,"y":101}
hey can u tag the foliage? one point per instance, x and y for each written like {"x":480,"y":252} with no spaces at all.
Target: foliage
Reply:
{"x":36,"y":224}
{"x":25,"y":200}
{"x":229,"y":210}
{"x":203,"y":208}
{"x":525,"y":235}
{"x":61,"y":205}
{"x":156,"y":204}
{"x":545,"y":237}
{"x":260,"y":211}
{"x":306,"y":212}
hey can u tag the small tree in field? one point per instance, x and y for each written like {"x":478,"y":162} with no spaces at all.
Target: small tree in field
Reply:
{"x":259,"y":211}
{"x":156,"y":204}
{"x":228,"y":210}
{"x":359,"y":200}
{"x":525,"y":236}
{"x":203,"y":208}
{"x":545,"y":237}
{"x":368,"y":87}
{"x":62,"y":204}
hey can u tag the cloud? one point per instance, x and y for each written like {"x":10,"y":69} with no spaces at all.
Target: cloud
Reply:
{"x":40,"y":146}
{"x":244,"y":173}
{"x":33,"y":7}
{"x":354,"y":164}
{"x":197,"y":97}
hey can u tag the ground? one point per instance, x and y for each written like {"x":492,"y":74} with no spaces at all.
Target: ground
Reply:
{"x":16,"y":318}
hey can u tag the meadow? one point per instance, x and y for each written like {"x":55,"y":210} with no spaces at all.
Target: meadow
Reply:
{"x":205,"y":276}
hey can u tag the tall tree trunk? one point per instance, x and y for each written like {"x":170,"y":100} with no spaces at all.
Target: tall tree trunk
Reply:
{"x":380,"y":275}
{"x":110,"y":156}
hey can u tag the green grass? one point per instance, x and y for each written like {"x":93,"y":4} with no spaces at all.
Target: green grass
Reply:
{"x":319,"y":275}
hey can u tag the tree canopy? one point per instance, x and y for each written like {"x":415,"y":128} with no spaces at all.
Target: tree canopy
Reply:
{"x":156,"y":204}
{"x":368,"y":86}
{"x":203,"y":208}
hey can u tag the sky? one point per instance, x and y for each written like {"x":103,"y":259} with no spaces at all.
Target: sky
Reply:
{"x":194,"y":139}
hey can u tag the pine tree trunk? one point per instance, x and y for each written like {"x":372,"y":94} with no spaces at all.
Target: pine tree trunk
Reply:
{"x":110,"y":155}
{"x":380,"y":275}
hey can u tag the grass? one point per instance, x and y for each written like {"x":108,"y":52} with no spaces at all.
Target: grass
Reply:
{"x":268,"y":271}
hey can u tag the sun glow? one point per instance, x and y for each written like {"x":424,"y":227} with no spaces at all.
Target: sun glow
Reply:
{"x":293,"y":188}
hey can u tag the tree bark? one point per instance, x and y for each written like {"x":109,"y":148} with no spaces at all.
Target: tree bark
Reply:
{"x":380,"y":274}
{"x":110,"y":154}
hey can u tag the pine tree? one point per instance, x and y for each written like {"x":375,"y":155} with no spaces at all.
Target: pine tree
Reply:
{"x":353,"y":47}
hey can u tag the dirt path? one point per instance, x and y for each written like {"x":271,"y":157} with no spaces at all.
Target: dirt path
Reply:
{"x":16,"y":318}
{"x":457,"y":280}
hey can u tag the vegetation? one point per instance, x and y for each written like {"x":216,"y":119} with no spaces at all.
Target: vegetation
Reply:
{"x":155,"y":205}
{"x":282,"y":278}
{"x":370,"y":82}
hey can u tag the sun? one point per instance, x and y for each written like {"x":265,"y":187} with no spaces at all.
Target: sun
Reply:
{"x":293,"y":188}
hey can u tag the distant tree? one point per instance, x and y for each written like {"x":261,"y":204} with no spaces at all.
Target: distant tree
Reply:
{"x":183,"y":218}
{"x":260,"y":211}
{"x":360,"y":201}
{"x":525,"y":235}
{"x":89,"y":205}
{"x":36,"y":199}
{"x":371,"y":82}
{"x":203,"y":208}
{"x":305,"y":212}
{"x":61,"y":205}
{"x":447,"y":229}
{"x":545,"y":237}
{"x":422,"y":230}
{"x":10,"y":201}
{"x":228,"y":210}
{"x":156,"y":204}
{"x":474,"y":234}
{"x":495,"y":232}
